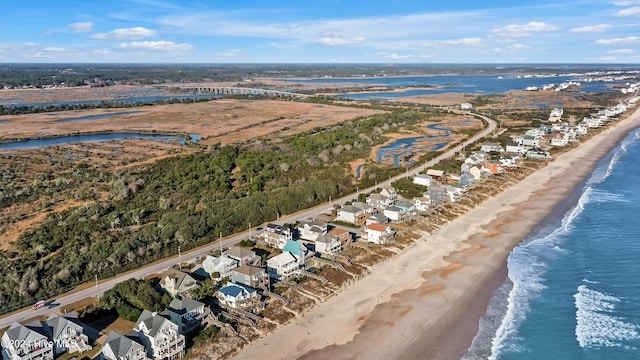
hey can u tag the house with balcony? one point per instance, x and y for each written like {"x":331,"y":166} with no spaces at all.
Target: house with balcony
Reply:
{"x":177,"y":282}
{"x":123,"y":347}
{"x":188,"y":314}
{"x":249,"y":275}
{"x":328,"y":244}
{"x":343,"y":236}
{"x":277,"y":235}
{"x":378,"y":201}
{"x":221,"y":265}
{"x":351,"y":214}
{"x":159,"y":336}
{"x":237,"y":296}
{"x":26,"y":342}
{"x":67,"y":333}
{"x":491,"y":147}
{"x":242,"y":255}
{"x":378,"y":234}
{"x":377,"y":219}
{"x":368,"y":209}
{"x":310,"y":229}
{"x":282,"y":266}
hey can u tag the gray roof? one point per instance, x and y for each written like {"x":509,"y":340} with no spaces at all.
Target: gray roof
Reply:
{"x":393,"y":208}
{"x":183,"y":306}
{"x":405,"y":203}
{"x":379,"y":217}
{"x":377,"y":197}
{"x":361,"y":205}
{"x":57,"y":323}
{"x":27,"y":333}
{"x":248,"y":270}
{"x":122,"y":345}
{"x":350,"y":209}
{"x":179,"y":277}
{"x":238,"y":252}
{"x":327,"y":238}
{"x":152,"y":321}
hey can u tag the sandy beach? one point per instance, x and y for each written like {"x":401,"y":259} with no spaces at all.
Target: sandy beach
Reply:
{"x":425,"y":303}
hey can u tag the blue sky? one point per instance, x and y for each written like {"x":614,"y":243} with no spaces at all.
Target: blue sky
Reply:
{"x":321,"y":31}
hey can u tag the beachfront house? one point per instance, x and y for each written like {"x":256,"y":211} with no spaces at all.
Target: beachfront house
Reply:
{"x":221,"y":265}
{"x":377,"y":201}
{"x":437,"y":195}
{"x":489,"y":147}
{"x":159,"y":336}
{"x":378,"y":234}
{"x":123,"y":347}
{"x":467,"y":179}
{"x":249,"y":275}
{"x":277,"y":236}
{"x":26,"y":342}
{"x":188,"y":314}
{"x":515,"y":147}
{"x":422,"y":204}
{"x":67,"y":333}
{"x":343,"y":236}
{"x":311,"y":229}
{"x":394,"y":213}
{"x":177,"y":282}
{"x":282,"y":266}
{"x":368,"y":209}
{"x":237,"y":296}
{"x":328,"y":244}
{"x":351,"y":214}
{"x":390,"y":193}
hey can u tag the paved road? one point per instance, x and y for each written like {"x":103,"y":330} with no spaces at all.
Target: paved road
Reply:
{"x":191,"y":255}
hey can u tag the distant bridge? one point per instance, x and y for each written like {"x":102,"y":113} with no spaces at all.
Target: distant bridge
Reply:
{"x":226,"y":90}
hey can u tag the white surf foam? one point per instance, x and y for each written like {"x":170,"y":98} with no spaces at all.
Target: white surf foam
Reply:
{"x":602,"y":196}
{"x":596,"y":325}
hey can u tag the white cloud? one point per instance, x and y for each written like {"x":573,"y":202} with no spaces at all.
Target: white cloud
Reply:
{"x":230,"y":53}
{"x":54,"y":49}
{"x":29,"y":44}
{"x":516,"y":30}
{"x":621,"y":51}
{"x":155,"y":45}
{"x":510,"y":48}
{"x":101,"y":52}
{"x":134,"y":33}
{"x":460,"y":42}
{"x":81,"y":27}
{"x":632,"y":11}
{"x":393,"y":56}
{"x":339,"y":41}
{"x":593,"y":29}
{"x":619,"y":41}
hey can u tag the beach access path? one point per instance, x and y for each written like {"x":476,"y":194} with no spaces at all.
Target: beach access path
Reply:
{"x":425,"y":303}
{"x":89,"y":290}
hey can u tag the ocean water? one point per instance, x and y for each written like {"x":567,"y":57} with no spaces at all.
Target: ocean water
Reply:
{"x":573,"y":286}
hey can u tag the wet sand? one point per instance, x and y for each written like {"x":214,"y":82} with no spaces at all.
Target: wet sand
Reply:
{"x":425,"y":303}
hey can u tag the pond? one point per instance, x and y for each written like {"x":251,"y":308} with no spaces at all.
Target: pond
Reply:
{"x":36,"y":143}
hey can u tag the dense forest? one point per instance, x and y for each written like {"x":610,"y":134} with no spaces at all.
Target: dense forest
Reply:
{"x":187,"y":201}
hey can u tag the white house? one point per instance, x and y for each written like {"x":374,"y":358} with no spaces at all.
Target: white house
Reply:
{"x":276,"y":235}
{"x":555,"y":115}
{"x":66,"y":333}
{"x":390,"y":193}
{"x":422,"y":204}
{"x":311,"y":229}
{"x":515,"y":148}
{"x":377,"y":219}
{"x":26,"y":342}
{"x":121,"y":347}
{"x":159,"y":336}
{"x":422,"y":179}
{"x":237,"y":296}
{"x":466,"y":106}
{"x":489,"y":147}
{"x":560,"y":140}
{"x":282,"y":266}
{"x":351,"y":214}
{"x":328,"y":244}
{"x":378,"y":233}
{"x":221,"y":265}
{"x":394,"y":214}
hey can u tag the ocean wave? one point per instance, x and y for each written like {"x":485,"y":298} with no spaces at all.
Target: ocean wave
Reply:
{"x":596,"y":325}
{"x":526,"y":267}
{"x":602,"y":196}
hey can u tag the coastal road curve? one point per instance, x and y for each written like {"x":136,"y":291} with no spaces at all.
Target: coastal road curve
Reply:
{"x":89,"y":290}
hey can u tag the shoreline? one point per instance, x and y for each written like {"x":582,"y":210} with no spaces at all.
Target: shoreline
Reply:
{"x":404,"y":311}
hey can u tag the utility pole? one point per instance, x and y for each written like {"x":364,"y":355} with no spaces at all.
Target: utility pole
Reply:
{"x":96,"y":276}
{"x":179,"y":259}
{"x":220,"y":241}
